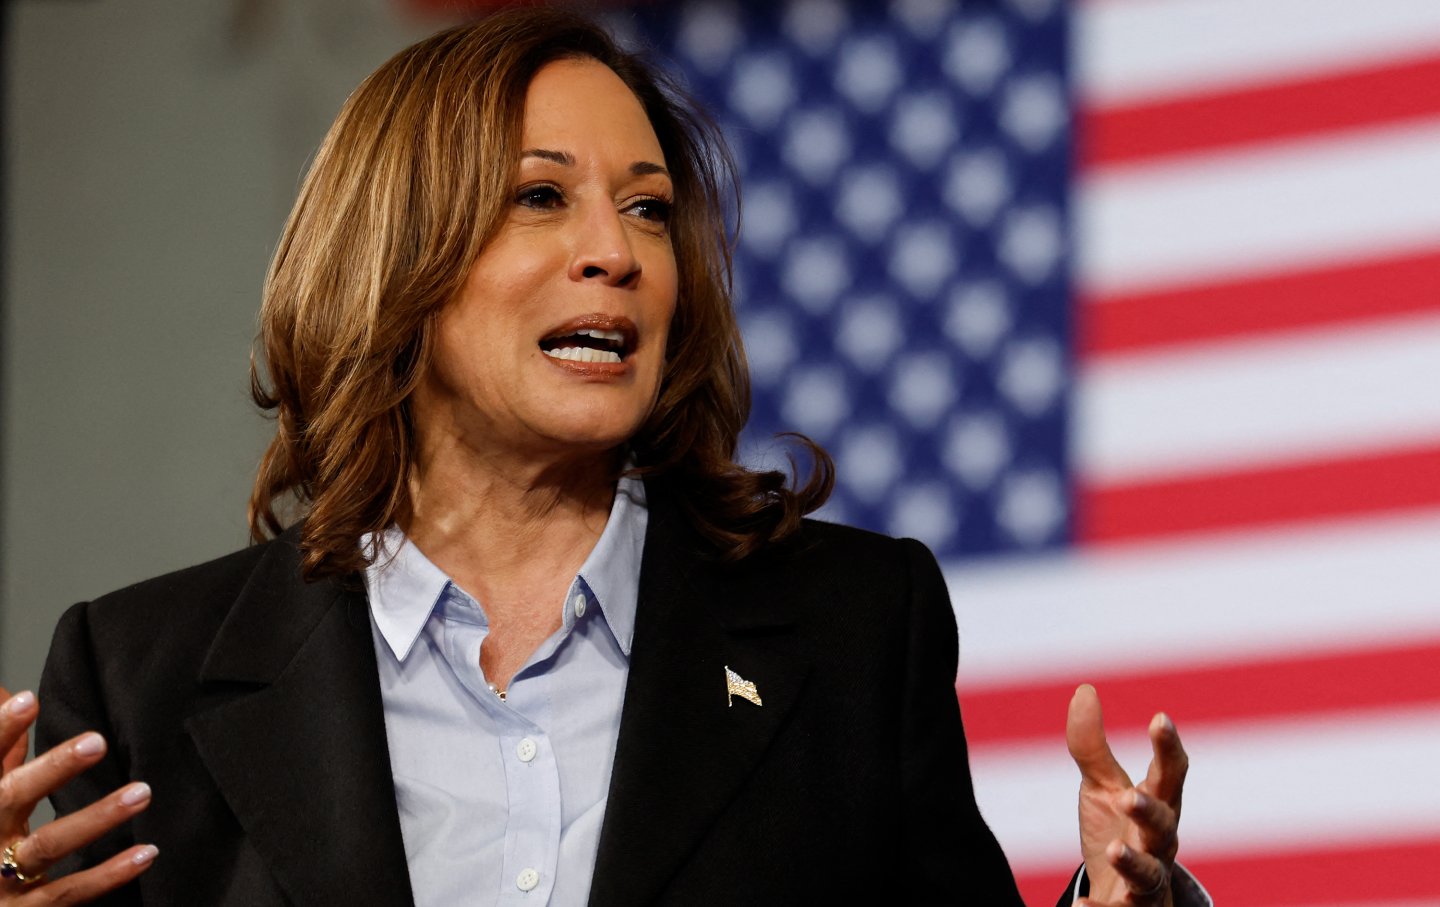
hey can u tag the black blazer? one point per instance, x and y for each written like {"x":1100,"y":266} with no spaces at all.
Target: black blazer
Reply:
{"x":249,"y":700}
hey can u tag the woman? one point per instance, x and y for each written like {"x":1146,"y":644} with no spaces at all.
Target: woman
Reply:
{"x":487,"y":663}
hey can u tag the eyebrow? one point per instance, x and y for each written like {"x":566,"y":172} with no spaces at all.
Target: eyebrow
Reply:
{"x":565,"y":159}
{"x":557,"y":157}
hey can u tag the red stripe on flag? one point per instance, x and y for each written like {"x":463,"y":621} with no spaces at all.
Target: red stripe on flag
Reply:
{"x":1346,"y":100}
{"x":1361,"y":291}
{"x":1294,"y":492}
{"x":1407,"y":871}
{"x":1270,"y":688}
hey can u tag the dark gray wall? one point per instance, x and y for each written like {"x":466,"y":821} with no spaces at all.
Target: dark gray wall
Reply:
{"x":154,"y":148}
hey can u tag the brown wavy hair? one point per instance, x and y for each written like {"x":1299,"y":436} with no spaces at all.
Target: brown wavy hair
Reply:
{"x":412,"y":181}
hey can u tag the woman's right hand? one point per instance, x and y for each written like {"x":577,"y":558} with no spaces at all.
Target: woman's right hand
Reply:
{"x":24,"y":784}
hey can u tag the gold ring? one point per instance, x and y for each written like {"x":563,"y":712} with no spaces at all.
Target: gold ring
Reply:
{"x":10,"y":869}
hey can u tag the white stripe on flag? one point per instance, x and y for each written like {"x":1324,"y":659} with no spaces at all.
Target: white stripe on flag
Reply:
{"x":1133,"y":51}
{"x":1259,"y":402}
{"x":1295,"y":205}
{"x":1234,"y":596}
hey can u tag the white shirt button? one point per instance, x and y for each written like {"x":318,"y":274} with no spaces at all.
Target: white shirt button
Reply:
{"x":527,"y":880}
{"x":526,"y":750}
{"x":579,"y":606}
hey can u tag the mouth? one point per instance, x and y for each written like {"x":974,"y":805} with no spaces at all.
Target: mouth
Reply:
{"x":595,"y":339}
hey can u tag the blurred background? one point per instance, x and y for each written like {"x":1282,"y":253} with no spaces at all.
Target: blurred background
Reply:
{"x":1129,"y":308}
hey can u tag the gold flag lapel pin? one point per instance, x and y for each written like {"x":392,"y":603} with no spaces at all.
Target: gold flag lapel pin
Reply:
{"x":735,"y":685}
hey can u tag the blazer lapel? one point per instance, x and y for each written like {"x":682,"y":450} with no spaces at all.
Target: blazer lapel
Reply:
{"x":296,"y":742}
{"x":685,"y":749}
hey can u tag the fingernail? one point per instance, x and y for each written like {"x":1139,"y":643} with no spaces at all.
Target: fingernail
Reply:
{"x":1165,"y":722}
{"x":1140,"y":801}
{"x":145,"y":855}
{"x":20,"y":703}
{"x":135,"y":794}
{"x":91,"y":744}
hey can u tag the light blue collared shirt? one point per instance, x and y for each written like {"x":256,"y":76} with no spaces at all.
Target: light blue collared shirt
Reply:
{"x":501,"y":802}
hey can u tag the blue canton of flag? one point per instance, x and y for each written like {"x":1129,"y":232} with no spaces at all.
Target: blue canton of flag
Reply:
{"x":902,"y":269}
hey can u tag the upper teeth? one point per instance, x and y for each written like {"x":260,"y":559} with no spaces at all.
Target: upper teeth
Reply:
{"x":601,"y":335}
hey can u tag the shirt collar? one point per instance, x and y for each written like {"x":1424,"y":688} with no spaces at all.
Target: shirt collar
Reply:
{"x":612,"y":571}
{"x":404,"y":587}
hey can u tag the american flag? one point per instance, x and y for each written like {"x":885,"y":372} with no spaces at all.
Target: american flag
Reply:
{"x":1131,"y":310}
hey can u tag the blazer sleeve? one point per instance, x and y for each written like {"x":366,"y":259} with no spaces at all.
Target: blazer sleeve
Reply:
{"x":939,"y":796}
{"x":71,"y":703}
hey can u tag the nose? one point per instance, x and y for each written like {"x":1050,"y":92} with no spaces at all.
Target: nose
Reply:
{"x":603,"y":251}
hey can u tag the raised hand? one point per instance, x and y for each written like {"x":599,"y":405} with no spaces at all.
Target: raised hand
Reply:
{"x":1128,"y":833}
{"x":25,"y":855}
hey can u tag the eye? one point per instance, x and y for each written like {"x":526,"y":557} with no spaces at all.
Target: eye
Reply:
{"x":542,"y":196}
{"x":655,"y":210}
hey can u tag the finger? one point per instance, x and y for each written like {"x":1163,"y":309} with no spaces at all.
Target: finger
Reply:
{"x":95,"y":881}
{"x":1156,"y":824}
{"x":1166,"y":776}
{"x":1085,"y":738}
{"x":1145,"y":876}
{"x":47,"y":844}
{"x":24,"y":786}
{"x":16,"y":714}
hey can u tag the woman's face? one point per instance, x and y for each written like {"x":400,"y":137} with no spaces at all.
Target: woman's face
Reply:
{"x":556,"y":343}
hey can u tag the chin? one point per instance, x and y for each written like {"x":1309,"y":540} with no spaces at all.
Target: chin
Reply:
{"x":593,"y":433}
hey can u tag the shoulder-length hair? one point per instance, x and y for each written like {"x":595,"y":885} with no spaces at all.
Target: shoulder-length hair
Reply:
{"x":412,"y":181}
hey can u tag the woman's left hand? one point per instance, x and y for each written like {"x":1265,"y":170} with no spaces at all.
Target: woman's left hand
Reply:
{"x":1128,"y":833}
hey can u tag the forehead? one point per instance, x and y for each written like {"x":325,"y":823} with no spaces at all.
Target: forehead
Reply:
{"x":580,"y":105}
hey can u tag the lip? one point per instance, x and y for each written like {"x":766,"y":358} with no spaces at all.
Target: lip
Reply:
{"x":597,"y":321}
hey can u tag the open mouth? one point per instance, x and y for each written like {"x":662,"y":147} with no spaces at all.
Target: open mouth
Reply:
{"x":589,"y":344}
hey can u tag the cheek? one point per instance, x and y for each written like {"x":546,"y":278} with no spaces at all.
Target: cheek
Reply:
{"x":455,"y":349}
{"x":468,"y":360}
